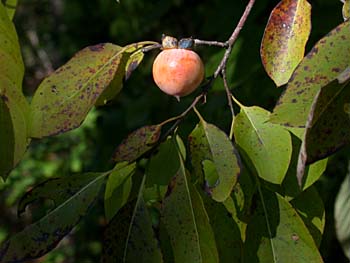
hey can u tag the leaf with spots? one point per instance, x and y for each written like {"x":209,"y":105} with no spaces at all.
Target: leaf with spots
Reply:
{"x":328,"y":124}
{"x":42,"y":236}
{"x":285,"y":37}
{"x":214,"y":159}
{"x":56,"y":189}
{"x":327,"y":59}
{"x":118,"y":188}
{"x":13,"y":104}
{"x":187,"y":223}
{"x":64,"y":98}
{"x":137,"y":143}
{"x":268,"y":146}
{"x":276,"y":233}
{"x":129,"y":237}
{"x":310,"y":208}
{"x":130,"y":60}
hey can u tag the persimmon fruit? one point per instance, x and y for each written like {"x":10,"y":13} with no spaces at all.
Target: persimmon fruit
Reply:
{"x":178,"y":71}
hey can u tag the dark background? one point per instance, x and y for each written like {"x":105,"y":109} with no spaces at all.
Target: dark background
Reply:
{"x":50,"y":32}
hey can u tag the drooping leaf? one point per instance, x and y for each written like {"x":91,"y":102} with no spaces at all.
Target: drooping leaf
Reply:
{"x":56,"y":189}
{"x":328,"y":126}
{"x":187,"y":223}
{"x":129,"y":237}
{"x":310,"y":208}
{"x":10,"y":6}
{"x":42,"y":236}
{"x":133,"y":62}
{"x":276,"y":233}
{"x":118,"y":188}
{"x":341,"y":215}
{"x":313,"y":172}
{"x":212,"y":151}
{"x":64,"y":98}
{"x":327,"y":59}
{"x":131,"y":58}
{"x":285,"y":37}
{"x":346,"y":9}
{"x":13,"y":105}
{"x":267,"y":145}
{"x":137,"y":143}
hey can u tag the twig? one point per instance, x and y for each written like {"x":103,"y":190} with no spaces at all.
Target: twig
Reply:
{"x":210,"y":43}
{"x":233,"y":37}
{"x":182,"y":115}
{"x":228,"y":92}
{"x":151,"y":47}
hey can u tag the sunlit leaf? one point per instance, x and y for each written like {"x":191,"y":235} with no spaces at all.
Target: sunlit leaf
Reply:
{"x":137,"y":143}
{"x":212,"y":152}
{"x":327,"y":59}
{"x":310,"y":207}
{"x":13,"y":105}
{"x":285,"y":37}
{"x":118,"y":188}
{"x":10,"y":6}
{"x":64,"y":98}
{"x":267,"y":145}
{"x":276,"y":233}
{"x":130,"y":60}
{"x":129,"y":237}
{"x":341,"y":215}
{"x":42,"y":236}
{"x":187,"y":223}
{"x":346,"y":9}
{"x":56,"y":189}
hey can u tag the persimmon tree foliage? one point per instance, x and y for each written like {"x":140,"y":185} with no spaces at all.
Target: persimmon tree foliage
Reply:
{"x":244,"y":194}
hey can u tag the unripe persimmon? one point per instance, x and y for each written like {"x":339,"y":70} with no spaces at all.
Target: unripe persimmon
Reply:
{"x":177,"y":71}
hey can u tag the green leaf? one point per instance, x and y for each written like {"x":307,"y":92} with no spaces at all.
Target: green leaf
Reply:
{"x":13,"y":104}
{"x":118,"y":188}
{"x":328,"y":126}
{"x":285,"y":37}
{"x":313,"y":172}
{"x":129,"y":237}
{"x":131,"y":58}
{"x":341,"y":215}
{"x":64,"y":98}
{"x":161,"y":168}
{"x":211,"y":150}
{"x":10,"y":6}
{"x":346,"y":9}
{"x":226,"y":230}
{"x":310,"y":208}
{"x":56,"y":189}
{"x":327,"y":59}
{"x":187,"y":223}
{"x":137,"y":143}
{"x":276,"y":233}
{"x":42,"y":236}
{"x":267,"y":145}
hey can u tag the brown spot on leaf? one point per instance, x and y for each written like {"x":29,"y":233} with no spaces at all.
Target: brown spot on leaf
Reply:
{"x":97,"y":47}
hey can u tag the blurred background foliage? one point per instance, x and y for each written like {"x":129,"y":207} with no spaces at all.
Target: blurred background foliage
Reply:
{"x":51,"y":31}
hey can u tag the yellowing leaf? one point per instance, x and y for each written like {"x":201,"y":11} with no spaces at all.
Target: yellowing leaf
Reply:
{"x":285,"y":37}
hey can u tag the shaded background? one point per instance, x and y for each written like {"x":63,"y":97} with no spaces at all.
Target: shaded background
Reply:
{"x":50,"y":32}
